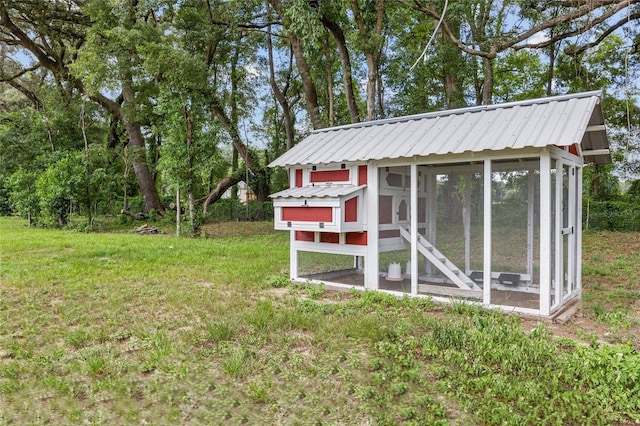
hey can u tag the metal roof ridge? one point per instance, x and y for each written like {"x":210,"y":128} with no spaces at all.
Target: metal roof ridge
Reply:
{"x":458,"y":111}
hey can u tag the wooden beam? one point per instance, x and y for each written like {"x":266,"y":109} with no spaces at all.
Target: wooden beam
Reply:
{"x":449,"y":291}
{"x":604,"y":151}
{"x":596,"y":128}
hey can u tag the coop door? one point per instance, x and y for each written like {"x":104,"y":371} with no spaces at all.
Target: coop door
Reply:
{"x":566,"y":214}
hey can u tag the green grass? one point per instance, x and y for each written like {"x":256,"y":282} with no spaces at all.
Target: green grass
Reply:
{"x":129,"y":329}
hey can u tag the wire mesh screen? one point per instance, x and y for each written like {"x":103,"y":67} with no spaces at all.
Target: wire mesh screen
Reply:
{"x":450,"y":243}
{"x":515,"y":235}
{"x":394,"y":219}
{"x":338,"y":268}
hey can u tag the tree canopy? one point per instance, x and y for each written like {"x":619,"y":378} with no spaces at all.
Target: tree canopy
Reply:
{"x":104,"y":101}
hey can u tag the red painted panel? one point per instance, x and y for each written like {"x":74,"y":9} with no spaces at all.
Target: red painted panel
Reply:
{"x":298,"y":178}
{"x":305,"y":236}
{"x":386,"y":209}
{"x":351,"y":210}
{"x":362,"y":175}
{"x":573,"y":149}
{"x":357,"y":238}
{"x":307,"y":214}
{"x":392,"y":233}
{"x":329,"y":237}
{"x":330,"y":176}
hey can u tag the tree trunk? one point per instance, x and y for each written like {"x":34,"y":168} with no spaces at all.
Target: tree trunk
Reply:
{"x":309,"y":88}
{"x":178,"y":212}
{"x":552,"y":60}
{"x":281,"y":95}
{"x":192,"y":214}
{"x":330,"y":96}
{"x":372,"y":42}
{"x":219,"y":190}
{"x":145,"y":180}
{"x":381,"y":112}
{"x":139,"y":153}
{"x":487,"y":88}
{"x":345,"y":60}
{"x":372,"y":80}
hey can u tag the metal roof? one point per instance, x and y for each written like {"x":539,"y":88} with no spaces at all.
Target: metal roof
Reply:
{"x":560,"y":121}
{"x":318,"y":191}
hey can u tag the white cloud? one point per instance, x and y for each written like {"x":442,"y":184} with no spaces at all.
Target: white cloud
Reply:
{"x":539,"y":37}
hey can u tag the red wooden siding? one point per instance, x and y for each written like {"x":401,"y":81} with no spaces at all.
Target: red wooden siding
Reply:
{"x":307,"y":214}
{"x":351,"y":210}
{"x":298,"y":178}
{"x":305,"y":236}
{"x":330,"y":176}
{"x":356,"y":238}
{"x":573,"y":149}
{"x":362,"y":175}
{"x":386,"y":209}
{"x":329,"y":237}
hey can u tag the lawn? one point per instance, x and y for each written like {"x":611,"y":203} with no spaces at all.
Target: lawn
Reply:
{"x":119,"y":328}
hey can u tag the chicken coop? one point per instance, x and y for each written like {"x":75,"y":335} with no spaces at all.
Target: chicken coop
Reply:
{"x":481,"y":203}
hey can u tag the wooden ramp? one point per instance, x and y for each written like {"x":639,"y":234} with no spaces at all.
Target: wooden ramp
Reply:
{"x":440,"y":261}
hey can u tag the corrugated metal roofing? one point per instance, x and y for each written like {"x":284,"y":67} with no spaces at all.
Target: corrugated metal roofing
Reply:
{"x":560,"y":120}
{"x":318,"y":191}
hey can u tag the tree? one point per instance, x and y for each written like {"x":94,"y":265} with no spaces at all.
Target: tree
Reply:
{"x":60,"y":35}
{"x":21,"y":185}
{"x":494,"y":28}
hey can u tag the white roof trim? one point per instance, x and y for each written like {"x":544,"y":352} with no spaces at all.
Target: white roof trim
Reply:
{"x":318,"y":191}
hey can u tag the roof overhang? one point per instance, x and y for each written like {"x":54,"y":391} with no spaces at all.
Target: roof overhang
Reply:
{"x":318,"y":191}
{"x":561,"y":121}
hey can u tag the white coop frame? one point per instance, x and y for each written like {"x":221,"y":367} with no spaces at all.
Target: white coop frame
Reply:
{"x":385,"y":186}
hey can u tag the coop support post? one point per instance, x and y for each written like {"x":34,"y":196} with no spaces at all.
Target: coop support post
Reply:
{"x":466,"y":221}
{"x":432,"y":214}
{"x":414,"y":228}
{"x":579,"y":231}
{"x":530,"y":217}
{"x":558,"y":252}
{"x":372,"y":275}
{"x":545,"y":233}
{"x":571,"y":246}
{"x":486,"y":289}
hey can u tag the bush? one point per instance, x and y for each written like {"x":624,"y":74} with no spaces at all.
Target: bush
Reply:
{"x":60,"y":184}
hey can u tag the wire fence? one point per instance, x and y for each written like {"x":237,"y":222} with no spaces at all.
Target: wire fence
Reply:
{"x":611,"y":216}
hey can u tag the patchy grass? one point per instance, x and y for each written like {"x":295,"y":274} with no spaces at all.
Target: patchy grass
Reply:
{"x":123,"y":329}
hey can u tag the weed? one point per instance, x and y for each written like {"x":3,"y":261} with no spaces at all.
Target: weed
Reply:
{"x":261,"y":315}
{"x":218,"y":331}
{"x":235,"y":363}
{"x":78,"y":338}
{"x":258,"y":391}
{"x":278,"y":281}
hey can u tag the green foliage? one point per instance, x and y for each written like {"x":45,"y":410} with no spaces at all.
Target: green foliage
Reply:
{"x":59,"y":185}
{"x":22,"y":192}
{"x":612,"y":215}
{"x":278,"y":281}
